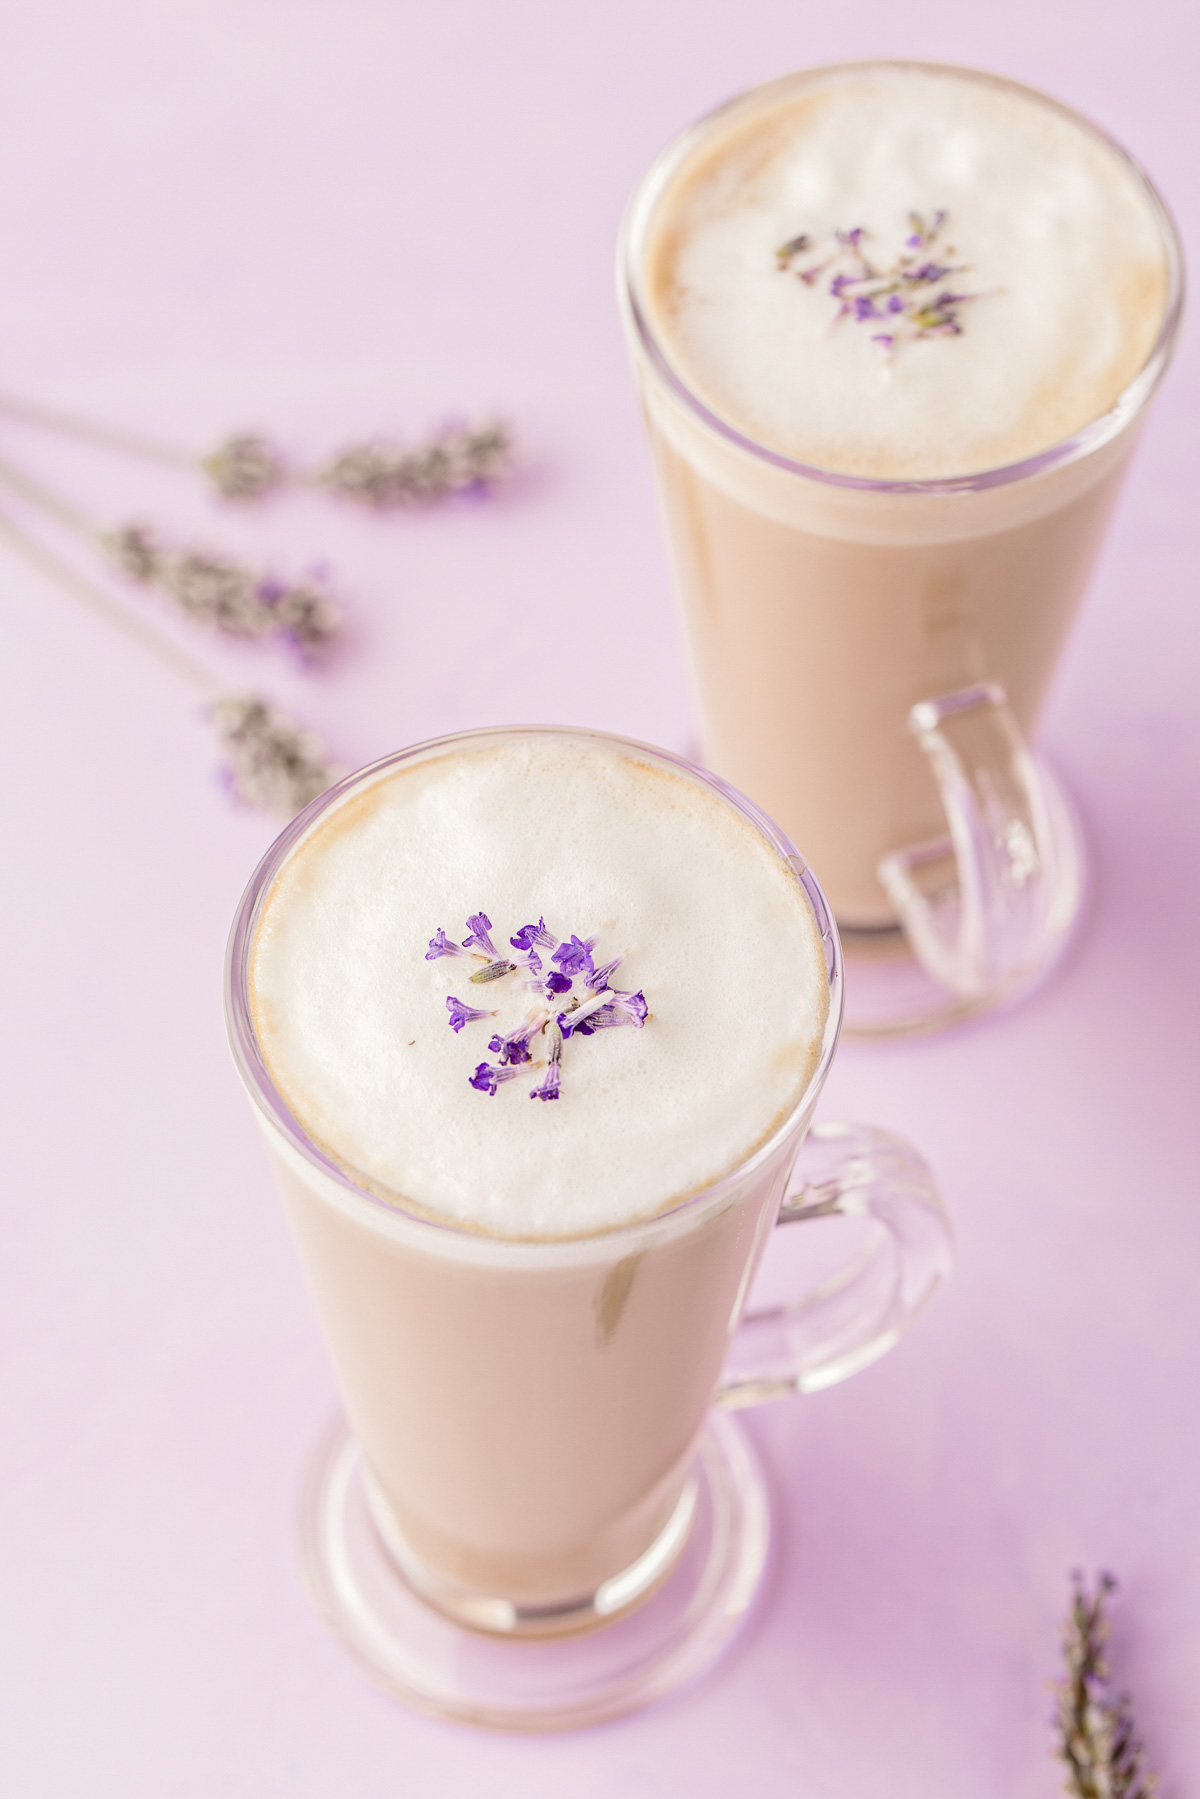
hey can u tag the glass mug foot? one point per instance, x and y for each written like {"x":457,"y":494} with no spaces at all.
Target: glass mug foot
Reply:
{"x":666,"y":1624}
{"x":987,"y":911}
{"x":665,"y":1619}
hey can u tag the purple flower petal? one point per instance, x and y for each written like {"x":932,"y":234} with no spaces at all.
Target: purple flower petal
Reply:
{"x":549,"y":1087}
{"x":576,"y":1020}
{"x":529,"y":934}
{"x":634,"y":1004}
{"x":575,"y":957}
{"x":461,"y":1014}
{"x":486,"y":1079}
{"x":557,"y":983}
{"x":480,"y":924}
{"x":515,"y":1047}
{"x":441,"y":945}
{"x":624,"y":1009}
{"x":598,"y":979}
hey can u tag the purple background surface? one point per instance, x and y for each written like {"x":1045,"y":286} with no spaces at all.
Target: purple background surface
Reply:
{"x":332,"y":216}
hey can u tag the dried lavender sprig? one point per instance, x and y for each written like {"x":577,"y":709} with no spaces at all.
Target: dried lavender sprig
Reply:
{"x":386,"y":476}
{"x":247,"y":464}
{"x":217,"y":591}
{"x":213,"y":589}
{"x":270,"y":762}
{"x":1104,"y":1756}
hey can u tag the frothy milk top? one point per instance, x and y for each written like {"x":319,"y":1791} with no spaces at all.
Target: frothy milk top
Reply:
{"x":714,"y":931}
{"x":1054,"y":293}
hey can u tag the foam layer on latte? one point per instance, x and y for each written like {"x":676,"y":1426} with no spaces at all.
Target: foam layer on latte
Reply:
{"x":1063,"y":255}
{"x":714,"y":929}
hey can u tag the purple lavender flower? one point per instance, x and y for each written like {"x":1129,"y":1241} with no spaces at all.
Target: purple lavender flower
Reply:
{"x":598,"y":979}
{"x":575,"y":1018}
{"x":597,"y":1008}
{"x":549,"y":1087}
{"x":480,"y":924}
{"x":899,"y":294}
{"x":486,"y":1079}
{"x":621,"y":1008}
{"x":515,"y":1047}
{"x":461,"y":1014}
{"x":441,"y":945}
{"x":575,"y":957}
{"x":634,"y":1006}
{"x":530,"y":934}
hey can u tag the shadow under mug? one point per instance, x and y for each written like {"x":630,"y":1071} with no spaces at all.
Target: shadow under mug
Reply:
{"x":531,"y":1460}
{"x":870,"y":657}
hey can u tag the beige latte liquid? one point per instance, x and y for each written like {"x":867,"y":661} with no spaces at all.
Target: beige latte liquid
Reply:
{"x":528,"y":1419}
{"x":840,"y":549}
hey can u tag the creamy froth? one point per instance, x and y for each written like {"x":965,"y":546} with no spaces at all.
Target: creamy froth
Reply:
{"x":1048,"y":228}
{"x":710,"y":922}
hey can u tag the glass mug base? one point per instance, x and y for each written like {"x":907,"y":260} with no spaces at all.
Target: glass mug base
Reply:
{"x":646,"y":1633}
{"x":890,"y":994}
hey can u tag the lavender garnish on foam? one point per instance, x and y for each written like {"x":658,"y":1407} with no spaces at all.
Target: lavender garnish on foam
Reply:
{"x":914,"y":297}
{"x":560,"y":1010}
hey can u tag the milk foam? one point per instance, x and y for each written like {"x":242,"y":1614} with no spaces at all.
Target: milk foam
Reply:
{"x":352,"y":1019}
{"x":1057,"y":231}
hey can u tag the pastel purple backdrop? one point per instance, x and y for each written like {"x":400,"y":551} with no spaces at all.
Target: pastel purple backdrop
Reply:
{"x":332,"y":216}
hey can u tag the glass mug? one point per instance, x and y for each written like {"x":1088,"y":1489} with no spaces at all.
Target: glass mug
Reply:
{"x":871,"y":656}
{"x":535,"y":1520}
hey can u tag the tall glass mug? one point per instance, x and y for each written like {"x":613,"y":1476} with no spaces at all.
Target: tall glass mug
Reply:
{"x":536,"y":1519}
{"x":871,"y":656}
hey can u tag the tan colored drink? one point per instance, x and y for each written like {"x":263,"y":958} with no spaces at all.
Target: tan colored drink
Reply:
{"x":894,"y":328}
{"x":528,"y":1305}
{"x":529,"y":1419}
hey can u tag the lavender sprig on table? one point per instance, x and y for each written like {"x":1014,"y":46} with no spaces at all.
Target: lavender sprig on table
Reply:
{"x":1097,"y":1740}
{"x":387,"y":477}
{"x":270,"y":762}
{"x":222,"y":593}
{"x":912,"y":297}
{"x":555,"y":1018}
{"x":248,"y":465}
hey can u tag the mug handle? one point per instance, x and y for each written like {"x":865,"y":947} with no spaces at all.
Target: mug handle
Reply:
{"x":858,"y":1313}
{"x":984,"y":907}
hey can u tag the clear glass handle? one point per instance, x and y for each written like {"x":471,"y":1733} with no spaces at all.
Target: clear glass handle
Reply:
{"x":982,"y":907}
{"x":858,"y":1313}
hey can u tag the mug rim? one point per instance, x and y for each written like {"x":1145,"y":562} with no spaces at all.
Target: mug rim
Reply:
{"x":1092,"y":436}
{"x":272,"y":1109}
